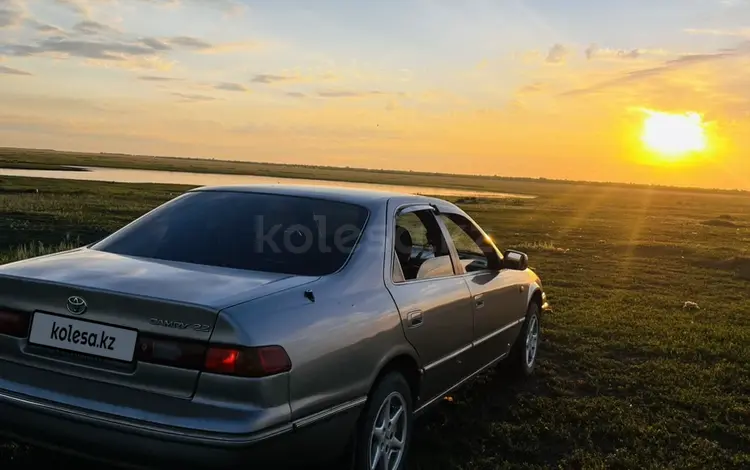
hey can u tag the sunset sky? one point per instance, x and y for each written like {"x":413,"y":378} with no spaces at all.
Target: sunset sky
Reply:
{"x":545,"y":88}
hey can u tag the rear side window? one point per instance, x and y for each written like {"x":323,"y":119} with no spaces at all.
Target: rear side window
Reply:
{"x":242,"y":230}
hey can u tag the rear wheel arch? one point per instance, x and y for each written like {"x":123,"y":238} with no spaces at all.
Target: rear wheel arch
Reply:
{"x":402,"y":362}
{"x":390,"y":384}
{"x":405,"y":364}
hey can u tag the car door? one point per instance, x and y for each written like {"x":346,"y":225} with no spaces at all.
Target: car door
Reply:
{"x":433,"y":300}
{"x":498,"y":295}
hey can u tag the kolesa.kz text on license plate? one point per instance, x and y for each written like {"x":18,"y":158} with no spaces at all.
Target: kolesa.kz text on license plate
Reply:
{"x":82,"y":336}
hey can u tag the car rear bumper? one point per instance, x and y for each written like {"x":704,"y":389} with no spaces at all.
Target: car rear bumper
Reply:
{"x":114,"y":441}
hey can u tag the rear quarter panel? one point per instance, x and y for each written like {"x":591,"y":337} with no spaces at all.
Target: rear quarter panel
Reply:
{"x":337,"y":343}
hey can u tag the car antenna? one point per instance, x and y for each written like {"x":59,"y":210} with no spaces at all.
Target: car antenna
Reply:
{"x":309,"y":295}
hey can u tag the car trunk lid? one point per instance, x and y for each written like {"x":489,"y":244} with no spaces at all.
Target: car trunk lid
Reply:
{"x":206,"y":286}
{"x":92,"y":311}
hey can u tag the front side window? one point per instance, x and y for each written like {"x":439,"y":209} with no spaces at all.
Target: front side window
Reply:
{"x":420,"y":248}
{"x":244,"y":230}
{"x":474,"y":251}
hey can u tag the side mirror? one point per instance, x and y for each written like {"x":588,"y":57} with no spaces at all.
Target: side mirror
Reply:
{"x":516,"y":260}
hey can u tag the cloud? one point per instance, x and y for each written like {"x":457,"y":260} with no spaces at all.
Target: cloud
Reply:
{"x":557,"y":54}
{"x":189,"y":42}
{"x":294,"y":77}
{"x":138,"y":63}
{"x":74,"y":5}
{"x":156,"y":44}
{"x":198,"y":45}
{"x":11,"y":71}
{"x":352,"y":94}
{"x":80,"y":7}
{"x":92,"y":40}
{"x":47,"y":28}
{"x":232,"y":47}
{"x":166,"y":3}
{"x":664,"y":68}
{"x":145,"y":52}
{"x":83,"y":8}
{"x":737,"y":33}
{"x":191,"y":97}
{"x":228,"y":6}
{"x":154,"y":78}
{"x":170,"y":43}
{"x":91,"y":28}
{"x":113,"y":50}
{"x":11,"y":13}
{"x":9,"y":18}
{"x":270,"y":78}
{"x":532,"y":88}
{"x":595,"y":52}
{"x":225,"y":86}
{"x":296,"y":94}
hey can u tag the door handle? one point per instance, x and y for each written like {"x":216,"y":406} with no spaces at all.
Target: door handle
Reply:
{"x":478,"y":301}
{"x":414,"y":318}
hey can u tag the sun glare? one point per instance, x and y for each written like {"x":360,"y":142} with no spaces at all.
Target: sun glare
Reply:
{"x":674,"y":136}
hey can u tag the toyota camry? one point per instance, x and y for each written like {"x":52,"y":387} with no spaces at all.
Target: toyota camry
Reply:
{"x":259,"y":325}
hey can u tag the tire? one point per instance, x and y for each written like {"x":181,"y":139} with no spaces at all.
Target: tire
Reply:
{"x":393,"y":389}
{"x":518,"y":363}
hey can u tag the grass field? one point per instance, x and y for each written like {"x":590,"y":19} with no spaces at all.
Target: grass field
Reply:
{"x":628,"y":378}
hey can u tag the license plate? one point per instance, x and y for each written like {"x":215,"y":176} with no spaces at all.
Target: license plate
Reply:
{"x":82,"y":336}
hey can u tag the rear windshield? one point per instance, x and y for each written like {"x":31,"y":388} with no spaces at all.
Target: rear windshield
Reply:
{"x":261,"y":232}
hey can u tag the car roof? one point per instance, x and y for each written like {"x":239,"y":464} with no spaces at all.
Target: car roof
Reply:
{"x":366,"y":197}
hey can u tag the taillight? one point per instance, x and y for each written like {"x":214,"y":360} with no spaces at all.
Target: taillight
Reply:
{"x":244,"y":362}
{"x":169,"y":352}
{"x":14,"y":323}
{"x":247,"y":362}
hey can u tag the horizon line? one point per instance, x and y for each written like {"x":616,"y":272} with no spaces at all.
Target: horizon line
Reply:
{"x":385,"y":170}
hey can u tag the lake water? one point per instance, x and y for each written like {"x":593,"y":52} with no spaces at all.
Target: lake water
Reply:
{"x":207,"y":179}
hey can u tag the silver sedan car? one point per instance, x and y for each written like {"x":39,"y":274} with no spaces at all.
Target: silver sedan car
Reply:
{"x":253,"y":326}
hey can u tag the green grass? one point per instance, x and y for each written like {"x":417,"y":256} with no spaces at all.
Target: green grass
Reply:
{"x":627,"y":378}
{"x":31,"y":250}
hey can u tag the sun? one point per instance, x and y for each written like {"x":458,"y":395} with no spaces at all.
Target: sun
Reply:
{"x":673,"y":136}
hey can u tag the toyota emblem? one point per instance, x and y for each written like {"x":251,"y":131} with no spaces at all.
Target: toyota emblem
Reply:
{"x":76,"y":305}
